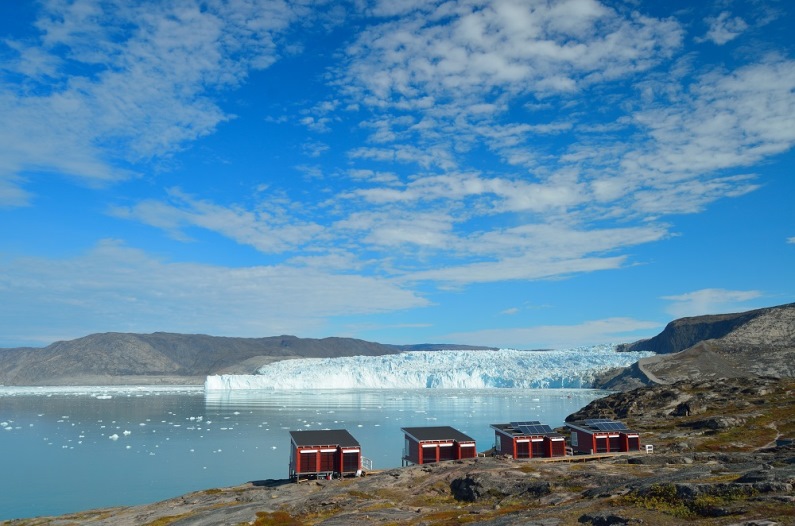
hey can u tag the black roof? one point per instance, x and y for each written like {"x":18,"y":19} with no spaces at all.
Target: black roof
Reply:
{"x":326,"y":437}
{"x":437,"y":433}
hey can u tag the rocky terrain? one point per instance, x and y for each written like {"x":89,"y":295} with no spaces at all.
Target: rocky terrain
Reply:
{"x":166,"y":358}
{"x":751,"y":344}
{"x":723,"y":455}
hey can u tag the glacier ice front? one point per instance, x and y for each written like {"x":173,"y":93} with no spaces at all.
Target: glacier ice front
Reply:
{"x":573,"y":368}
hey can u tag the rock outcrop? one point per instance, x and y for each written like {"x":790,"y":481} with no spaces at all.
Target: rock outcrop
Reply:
{"x":758,"y":343}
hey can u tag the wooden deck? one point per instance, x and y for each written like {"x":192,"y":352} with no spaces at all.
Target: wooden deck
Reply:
{"x":586,"y":458}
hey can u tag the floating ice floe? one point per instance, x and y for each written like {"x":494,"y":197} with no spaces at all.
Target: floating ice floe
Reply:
{"x":107,"y":392}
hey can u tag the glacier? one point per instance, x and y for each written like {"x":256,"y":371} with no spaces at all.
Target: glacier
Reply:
{"x":447,"y":369}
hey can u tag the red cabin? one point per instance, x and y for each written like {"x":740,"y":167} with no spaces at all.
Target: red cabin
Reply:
{"x":530,"y":439}
{"x":601,"y":435}
{"x":425,"y":445}
{"x":326,"y":453}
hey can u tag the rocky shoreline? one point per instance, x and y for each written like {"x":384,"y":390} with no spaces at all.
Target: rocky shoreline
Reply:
{"x":723,"y":454}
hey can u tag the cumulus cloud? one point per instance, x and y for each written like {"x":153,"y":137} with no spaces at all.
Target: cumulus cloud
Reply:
{"x":710,"y":301}
{"x":478,"y":141}
{"x":724,"y":28}
{"x":466,"y":49}
{"x":439,"y":78}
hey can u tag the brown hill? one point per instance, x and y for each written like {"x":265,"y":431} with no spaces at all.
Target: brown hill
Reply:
{"x":160,"y":358}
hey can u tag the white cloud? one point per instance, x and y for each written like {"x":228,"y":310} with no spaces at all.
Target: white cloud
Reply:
{"x":609,"y":330}
{"x":117,"y":288}
{"x":791,"y":240}
{"x":467,"y":49}
{"x":724,"y":120}
{"x":723,"y":28}
{"x":104,"y":84}
{"x":11,"y":192}
{"x":423,"y":67}
{"x":693,"y":134}
{"x":435,"y":80}
{"x":710,"y":301}
{"x":267,"y":228}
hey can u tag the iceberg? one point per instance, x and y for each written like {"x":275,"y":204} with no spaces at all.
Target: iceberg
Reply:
{"x":448,"y":369}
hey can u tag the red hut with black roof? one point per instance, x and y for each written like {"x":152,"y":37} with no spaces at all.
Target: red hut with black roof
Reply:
{"x":326,"y":453}
{"x":424,"y":445}
{"x":602,"y":435}
{"x":528,"y":439}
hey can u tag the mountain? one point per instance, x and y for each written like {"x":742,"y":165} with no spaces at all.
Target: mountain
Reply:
{"x":773,"y":326}
{"x":756,"y":343}
{"x":167,"y":358}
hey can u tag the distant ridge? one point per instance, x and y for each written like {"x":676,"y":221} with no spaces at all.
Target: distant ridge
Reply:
{"x":168,"y":358}
{"x":755,"y":343}
{"x":767,"y":326}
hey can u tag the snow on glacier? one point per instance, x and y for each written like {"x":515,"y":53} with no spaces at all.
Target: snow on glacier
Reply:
{"x":451,"y":369}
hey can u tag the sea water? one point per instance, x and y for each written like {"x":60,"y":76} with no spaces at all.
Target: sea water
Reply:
{"x":72,"y":449}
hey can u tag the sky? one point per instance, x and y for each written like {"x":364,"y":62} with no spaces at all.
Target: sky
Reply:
{"x":514,"y":173}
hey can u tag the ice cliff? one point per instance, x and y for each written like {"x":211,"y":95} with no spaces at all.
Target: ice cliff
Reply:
{"x":451,"y":369}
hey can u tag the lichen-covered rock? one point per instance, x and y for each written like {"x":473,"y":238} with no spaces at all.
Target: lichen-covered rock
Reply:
{"x":489,"y":485}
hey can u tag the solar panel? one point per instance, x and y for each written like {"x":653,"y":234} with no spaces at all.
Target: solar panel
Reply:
{"x":591,"y":421}
{"x":605,"y":424}
{"x":517,"y":425}
{"x":535,"y":429}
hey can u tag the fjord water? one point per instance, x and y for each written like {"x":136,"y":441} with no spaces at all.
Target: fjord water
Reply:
{"x":72,"y":449}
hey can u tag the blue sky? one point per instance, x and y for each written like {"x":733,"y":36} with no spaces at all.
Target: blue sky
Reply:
{"x":515,"y":173}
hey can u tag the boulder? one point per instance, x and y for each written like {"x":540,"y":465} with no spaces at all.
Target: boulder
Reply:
{"x":480,"y":486}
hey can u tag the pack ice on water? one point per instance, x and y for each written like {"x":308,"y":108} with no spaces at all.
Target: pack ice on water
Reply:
{"x":451,"y":369}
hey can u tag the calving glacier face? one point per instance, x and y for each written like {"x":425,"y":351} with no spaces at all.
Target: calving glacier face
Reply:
{"x":573,"y":368}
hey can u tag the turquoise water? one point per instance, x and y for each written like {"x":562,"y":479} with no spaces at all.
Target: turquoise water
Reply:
{"x":68,"y":450}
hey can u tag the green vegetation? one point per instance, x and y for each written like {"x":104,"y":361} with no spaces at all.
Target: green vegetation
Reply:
{"x":165,"y":521}
{"x":276,"y":518}
{"x":666,"y":499}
